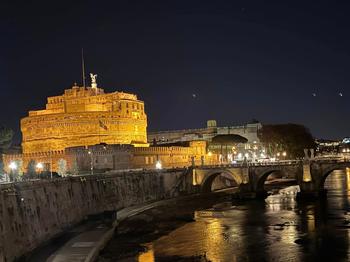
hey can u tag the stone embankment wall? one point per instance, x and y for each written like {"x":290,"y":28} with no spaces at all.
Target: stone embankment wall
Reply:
{"x":34,"y":212}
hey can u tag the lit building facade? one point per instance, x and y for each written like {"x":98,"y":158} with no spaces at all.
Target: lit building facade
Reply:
{"x":86,"y":128}
{"x":253,"y":149}
{"x":82,"y":117}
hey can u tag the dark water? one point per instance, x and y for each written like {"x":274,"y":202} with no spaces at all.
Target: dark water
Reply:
{"x":277,"y":229}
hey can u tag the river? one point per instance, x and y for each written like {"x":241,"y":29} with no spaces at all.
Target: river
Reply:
{"x":212,"y":229}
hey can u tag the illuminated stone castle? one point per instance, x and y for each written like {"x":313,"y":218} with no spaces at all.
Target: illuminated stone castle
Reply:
{"x":82,"y":117}
{"x":94,"y":130}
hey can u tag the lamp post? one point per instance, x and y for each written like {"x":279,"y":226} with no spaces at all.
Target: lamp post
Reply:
{"x":40,"y":167}
{"x":91,"y":162}
{"x":158,"y":165}
{"x":13,"y":167}
{"x":284,"y":154}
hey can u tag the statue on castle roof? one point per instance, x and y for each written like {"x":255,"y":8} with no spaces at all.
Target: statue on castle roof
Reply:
{"x":93,"y":80}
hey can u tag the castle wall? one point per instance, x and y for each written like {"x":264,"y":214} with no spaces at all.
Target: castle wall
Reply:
{"x":104,"y":157}
{"x":82,"y":117}
{"x":249,"y":131}
{"x":31,"y":213}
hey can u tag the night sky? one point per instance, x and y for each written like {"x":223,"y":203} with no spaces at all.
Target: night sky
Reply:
{"x":276,"y":62}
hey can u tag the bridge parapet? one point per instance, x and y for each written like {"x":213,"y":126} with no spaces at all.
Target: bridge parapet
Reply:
{"x":309,"y":175}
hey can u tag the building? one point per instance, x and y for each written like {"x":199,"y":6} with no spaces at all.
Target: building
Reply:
{"x":86,"y":128}
{"x":105,"y":157}
{"x":85,"y":116}
{"x":251,"y":149}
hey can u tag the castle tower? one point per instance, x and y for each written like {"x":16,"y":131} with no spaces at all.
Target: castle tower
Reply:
{"x":82,"y":117}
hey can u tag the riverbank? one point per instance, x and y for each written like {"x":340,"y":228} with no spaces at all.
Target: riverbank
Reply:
{"x":83,"y":243}
{"x":152,"y":224}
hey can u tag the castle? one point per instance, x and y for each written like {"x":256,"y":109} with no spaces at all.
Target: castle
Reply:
{"x":73,"y":126}
{"x":85,"y":116}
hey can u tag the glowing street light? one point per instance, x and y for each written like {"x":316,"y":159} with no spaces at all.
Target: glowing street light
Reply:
{"x":13,"y":166}
{"x":210,"y":153}
{"x":39,"y":166}
{"x":284,"y":154}
{"x":158,"y":165}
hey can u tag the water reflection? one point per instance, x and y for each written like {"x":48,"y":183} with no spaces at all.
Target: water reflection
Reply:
{"x":279,"y":229}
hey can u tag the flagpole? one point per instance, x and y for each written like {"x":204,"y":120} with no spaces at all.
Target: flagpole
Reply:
{"x":83,"y":66}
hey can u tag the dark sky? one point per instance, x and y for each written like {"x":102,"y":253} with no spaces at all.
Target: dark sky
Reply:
{"x":242,"y":59}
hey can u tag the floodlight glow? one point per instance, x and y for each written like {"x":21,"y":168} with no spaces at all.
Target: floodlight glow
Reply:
{"x":13,"y":166}
{"x":39,"y":165}
{"x":158,"y":165}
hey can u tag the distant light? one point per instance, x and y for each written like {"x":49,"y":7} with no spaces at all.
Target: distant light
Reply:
{"x":246,"y":155}
{"x":346,"y":140}
{"x":210,"y":153}
{"x":13,"y":166}
{"x":284,"y":153}
{"x":240,"y":155}
{"x":158,"y":165}
{"x":344,"y":150}
{"x":89,"y":152}
{"x":262,"y":155}
{"x":278,"y":154}
{"x":39,"y":166}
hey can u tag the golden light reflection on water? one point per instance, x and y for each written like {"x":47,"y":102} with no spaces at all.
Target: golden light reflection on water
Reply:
{"x":148,"y":256}
{"x":214,"y":242}
{"x":276,"y":230}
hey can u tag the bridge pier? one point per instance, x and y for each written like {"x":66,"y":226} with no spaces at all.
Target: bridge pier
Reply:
{"x":310,"y":191}
{"x":245,"y":192}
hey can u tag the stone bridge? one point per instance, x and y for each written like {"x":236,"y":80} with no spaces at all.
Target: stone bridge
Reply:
{"x":309,"y":175}
{"x":33,"y":212}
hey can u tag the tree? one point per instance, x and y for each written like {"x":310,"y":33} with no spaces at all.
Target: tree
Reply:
{"x":6,"y":136}
{"x":62,"y":167}
{"x":292,"y":138}
{"x":2,"y":171}
{"x":31,"y":168}
{"x":74,"y":168}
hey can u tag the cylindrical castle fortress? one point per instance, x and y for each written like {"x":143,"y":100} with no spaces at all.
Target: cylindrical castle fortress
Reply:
{"x":83,"y":117}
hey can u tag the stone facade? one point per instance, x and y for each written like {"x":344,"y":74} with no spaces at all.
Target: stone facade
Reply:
{"x":251,"y":150}
{"x":82,"y":117}
{"x":31,"y":213}
{"x":249,"y":131}
{"x":104,"y":157}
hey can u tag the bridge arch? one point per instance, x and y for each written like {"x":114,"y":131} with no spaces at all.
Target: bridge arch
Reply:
{"x":265,"y":173}
{"x":207,"y":182}
{"x":328,"y":171}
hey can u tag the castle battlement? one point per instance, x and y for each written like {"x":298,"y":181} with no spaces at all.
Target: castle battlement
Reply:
{"x":85,"y":116}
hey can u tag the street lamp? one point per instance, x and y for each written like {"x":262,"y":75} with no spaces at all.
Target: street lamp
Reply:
{"x":158,"y":165}
{"x":91,"y":162}
{"x":13,"y":167}
{"x":39,"y":167}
